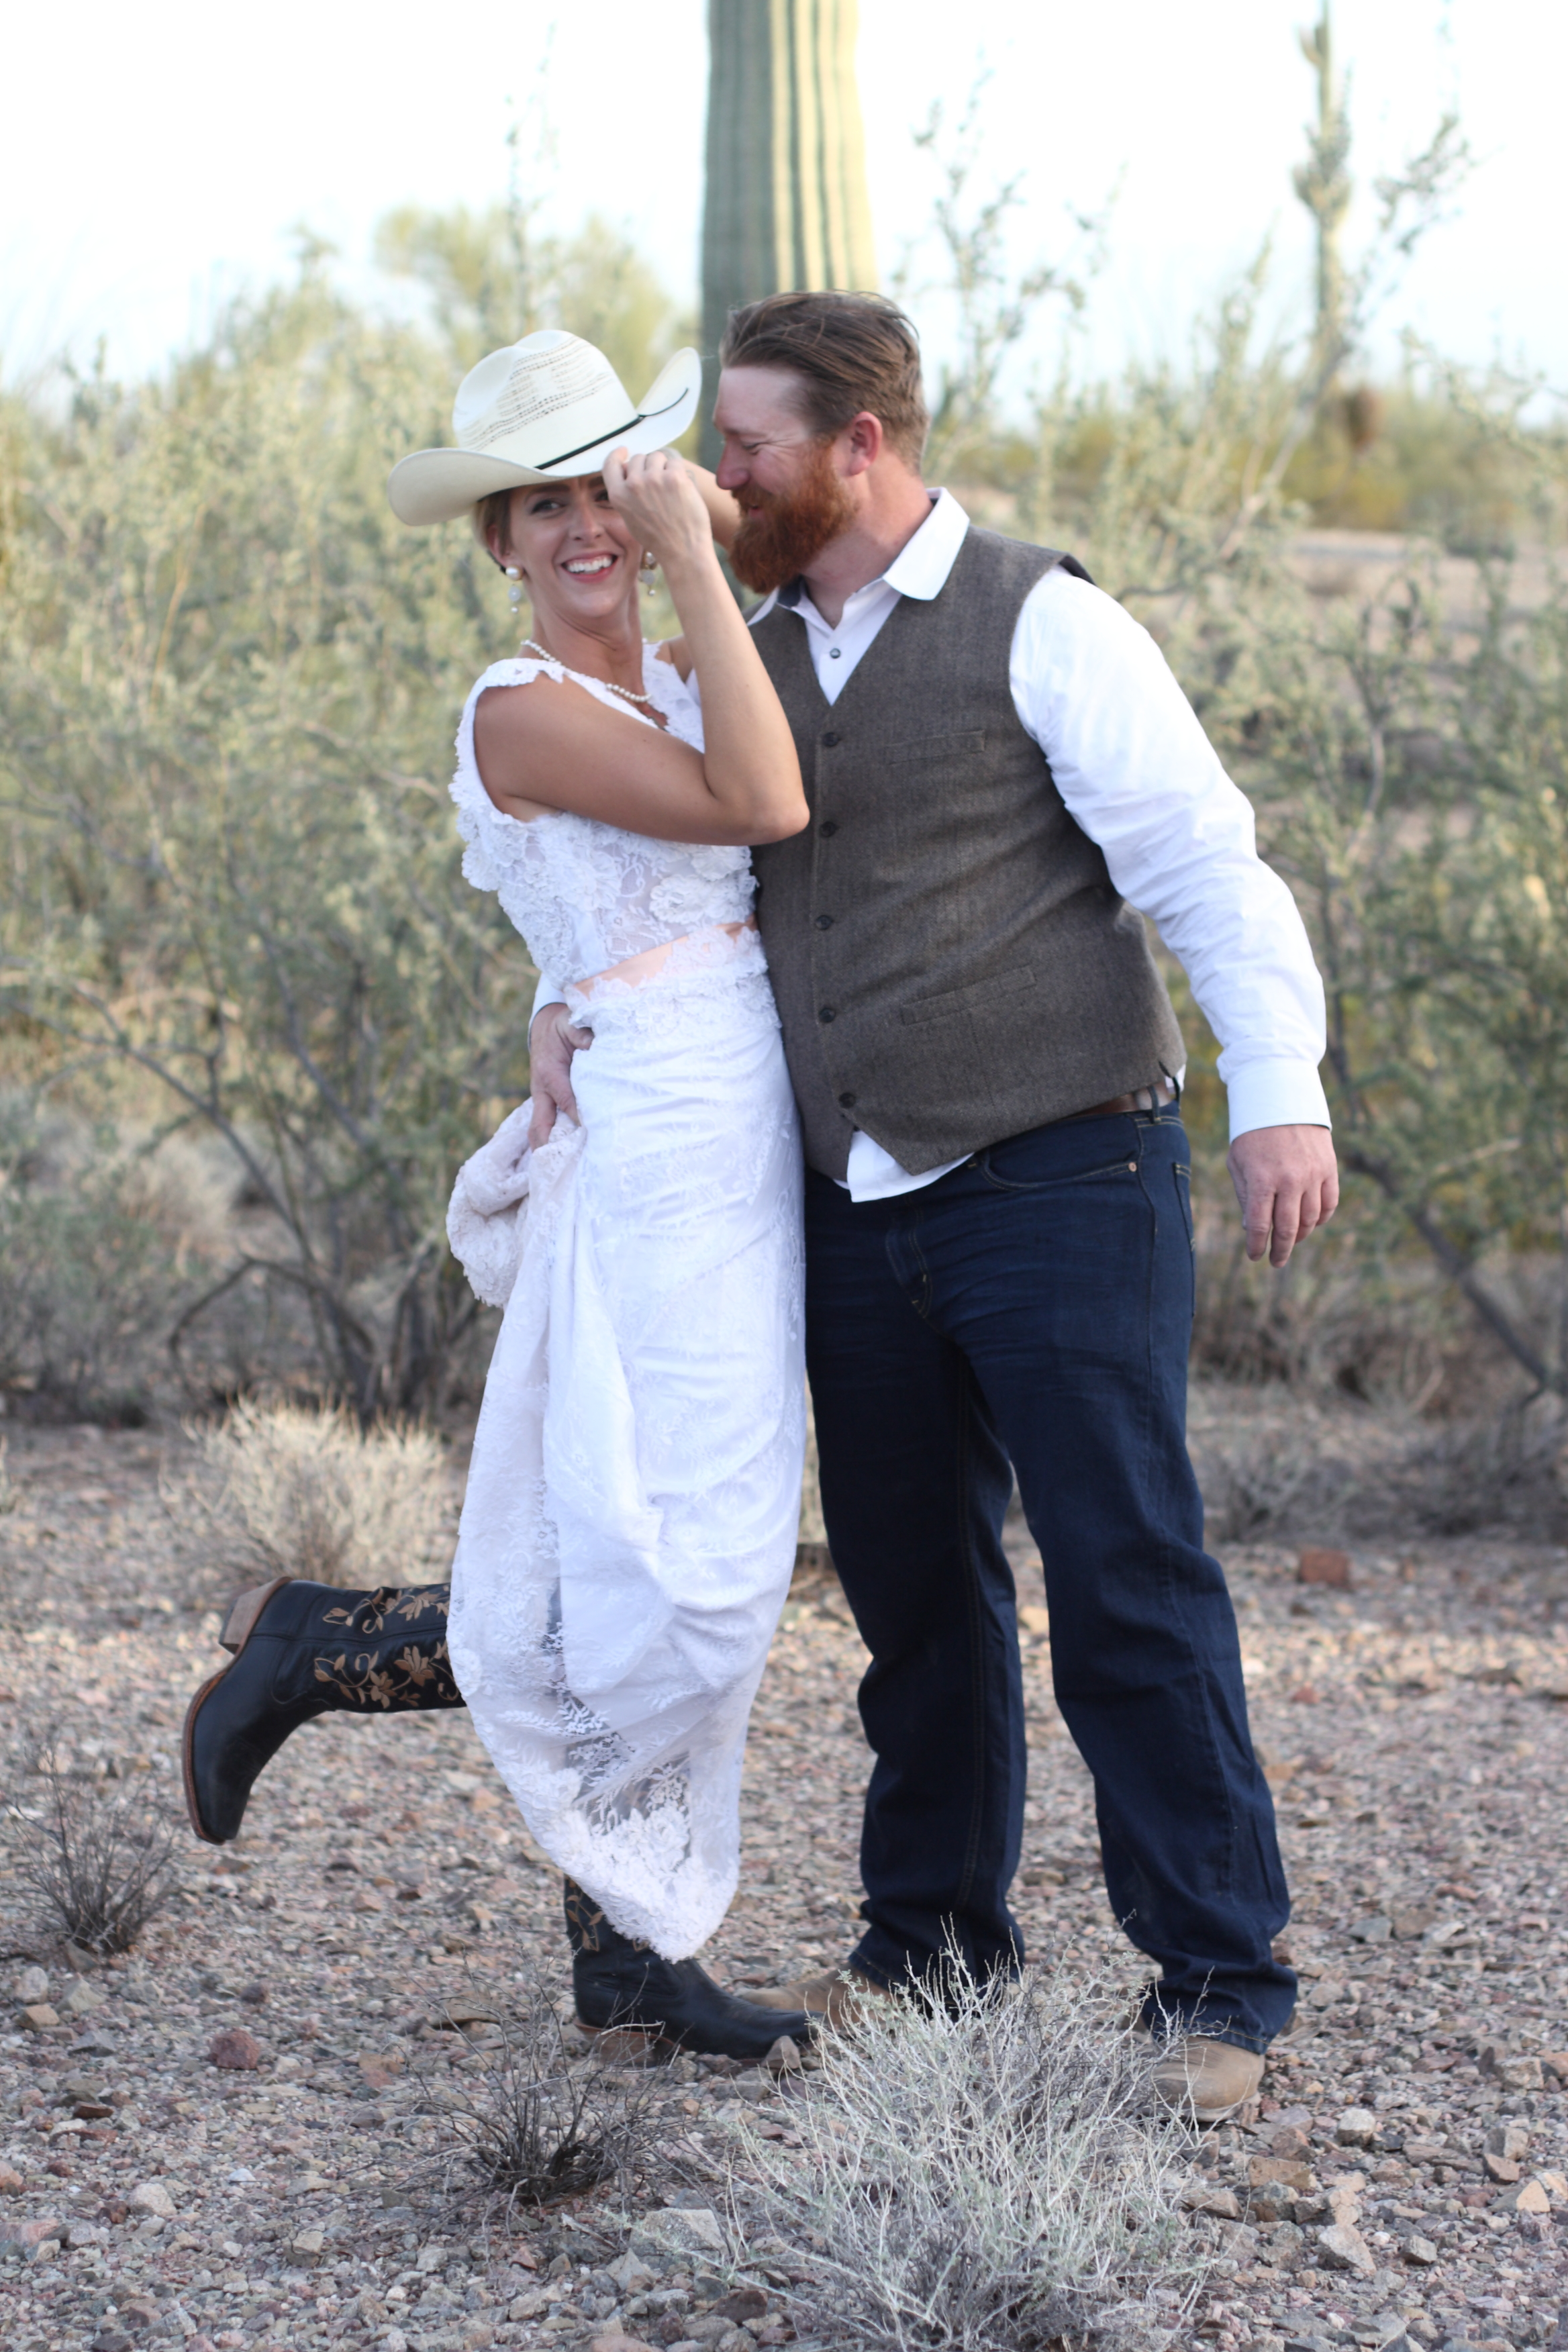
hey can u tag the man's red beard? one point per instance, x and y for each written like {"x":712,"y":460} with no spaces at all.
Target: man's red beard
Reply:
{"x":791,"y":528}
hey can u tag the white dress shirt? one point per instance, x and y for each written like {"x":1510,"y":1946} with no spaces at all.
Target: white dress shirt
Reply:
{"x":1138,"y":773}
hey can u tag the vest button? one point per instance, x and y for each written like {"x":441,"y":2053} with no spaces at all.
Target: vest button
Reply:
{"x":828,"y":1012}
{"x":831,"y":740}
{"x":828,"y":830}
{"x":825,"y":922}
{"x":847,"y":1101}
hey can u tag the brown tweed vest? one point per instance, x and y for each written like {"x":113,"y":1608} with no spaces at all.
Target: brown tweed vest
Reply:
{"x":951,"y":963}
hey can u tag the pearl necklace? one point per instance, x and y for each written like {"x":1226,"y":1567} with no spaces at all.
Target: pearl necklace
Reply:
{"x":532,"y":643}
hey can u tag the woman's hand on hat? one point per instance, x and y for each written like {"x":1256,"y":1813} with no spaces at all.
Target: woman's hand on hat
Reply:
{"x":662,"y":506}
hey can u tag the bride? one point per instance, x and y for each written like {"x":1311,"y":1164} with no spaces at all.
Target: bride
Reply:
{"x":629,"y":1525}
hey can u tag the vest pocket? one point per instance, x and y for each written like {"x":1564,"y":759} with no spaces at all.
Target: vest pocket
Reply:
{"x":973,"y":999}
{"x":935,"y":746}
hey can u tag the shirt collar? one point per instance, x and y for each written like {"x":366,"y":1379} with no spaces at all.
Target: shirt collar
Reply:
{"x":920,"y":569}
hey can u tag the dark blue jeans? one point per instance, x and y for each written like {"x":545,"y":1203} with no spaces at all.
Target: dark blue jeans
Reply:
{"x":1031,"y":1310}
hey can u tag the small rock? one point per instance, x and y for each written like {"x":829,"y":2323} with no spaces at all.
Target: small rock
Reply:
{"x":784,"y":2058}
{"x":1288,"y":2172}
{"x":82,"y":1999}
{"x":632,"y":2276}
{"x":31,"y":2241}
{"x":1523,"y":2074}
{"x":1511,"y":2141}
{"x":234,"y":2049}
{"x":152,"y":2197}
{"x":677,"y":2229}
{"x":1413,"y":1922}
{"x":1199,"y":2196}
{"x":1357,"y":2127}
{"x":308,"y":2241}
{"x":615,"y":2344}
{"x":1342,"y":2247}
{"x":1556,"y":2062}
{"x":1376,"y":1929}
{"x":1500,"y":2167}
{"x":37,"y":2017}
{"x":254,"y":1996}
{"x":744,"y":2302}
{"x":11,"y":2183}
{"x":1317,"y":1565}
{"x":31,"y":1986}
{"x":1421,"y":2251}
{"x":1530,"y":2198}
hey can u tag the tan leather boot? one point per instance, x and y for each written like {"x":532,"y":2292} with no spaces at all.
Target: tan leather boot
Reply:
{"x":1206,"y":2080}
{"x":838,"y":1996}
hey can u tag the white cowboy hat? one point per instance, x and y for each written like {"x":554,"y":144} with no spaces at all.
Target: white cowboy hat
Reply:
{"x":544,"y":409}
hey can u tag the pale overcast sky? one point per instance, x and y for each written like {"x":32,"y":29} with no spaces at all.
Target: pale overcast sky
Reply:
{"x":154,"y":158}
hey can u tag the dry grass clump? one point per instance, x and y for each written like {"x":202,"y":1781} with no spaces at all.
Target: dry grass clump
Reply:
{"x":103,"y":1866}
{"x":308,"y":1494}
{"x":537,"y":2120}
{"x":987,"y":2173}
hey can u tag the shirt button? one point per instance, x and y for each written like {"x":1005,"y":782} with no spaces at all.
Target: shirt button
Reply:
{"x":830,"y":740}
{"x":828,"y":828}
{"x":825,"y":922}
{"x":848,"y":1101}
{"x":835,"y":653}
{"x":828,"y":1012}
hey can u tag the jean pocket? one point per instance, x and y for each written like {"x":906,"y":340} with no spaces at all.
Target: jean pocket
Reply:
{"x":1183,"y":1178}
{"x":1011,"y":1167}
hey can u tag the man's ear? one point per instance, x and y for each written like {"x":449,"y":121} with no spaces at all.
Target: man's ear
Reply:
{"x":863,"y":440}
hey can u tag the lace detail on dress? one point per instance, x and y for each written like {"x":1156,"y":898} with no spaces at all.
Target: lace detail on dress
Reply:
{"x":583,"y":895}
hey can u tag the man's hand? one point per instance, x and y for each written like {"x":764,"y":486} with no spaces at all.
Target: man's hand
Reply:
{"x":552,"y":1042}
{"x":1287,"y":1182}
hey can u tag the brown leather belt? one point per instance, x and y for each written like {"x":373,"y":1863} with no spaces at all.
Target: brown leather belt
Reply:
{"x":1144,"y":1099}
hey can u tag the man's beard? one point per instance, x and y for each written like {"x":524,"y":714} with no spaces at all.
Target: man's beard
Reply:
{"x":791,"y":528}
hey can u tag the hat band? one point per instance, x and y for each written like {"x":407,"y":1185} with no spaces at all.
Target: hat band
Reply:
{"x":599,"y":439}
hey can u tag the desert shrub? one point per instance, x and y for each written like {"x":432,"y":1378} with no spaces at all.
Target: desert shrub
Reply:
{"x":100,"y":1865}
{"x":534,"y":2119}
{"x":986,"y":2170}
{"x":102,"y":1240}
{"x":298,"y":1493}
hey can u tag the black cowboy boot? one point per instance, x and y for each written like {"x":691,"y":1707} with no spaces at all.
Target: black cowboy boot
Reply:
{"x":621,"y":1986}
{"x":301,"y":1650}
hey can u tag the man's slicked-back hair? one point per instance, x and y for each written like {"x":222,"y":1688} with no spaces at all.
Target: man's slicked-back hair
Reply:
{"x":849,"y":352}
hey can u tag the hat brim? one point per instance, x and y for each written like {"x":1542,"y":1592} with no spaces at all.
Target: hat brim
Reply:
{"x":439,"y":485}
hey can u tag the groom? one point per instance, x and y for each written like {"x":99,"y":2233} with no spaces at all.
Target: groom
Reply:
{"x":1002,"y":768}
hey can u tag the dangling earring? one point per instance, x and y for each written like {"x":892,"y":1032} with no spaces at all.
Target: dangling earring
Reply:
{"x":514,"y":586}
{"x":648,"y":566}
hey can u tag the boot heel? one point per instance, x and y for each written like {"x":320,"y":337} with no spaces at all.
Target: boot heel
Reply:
{"x":244,"y":1609}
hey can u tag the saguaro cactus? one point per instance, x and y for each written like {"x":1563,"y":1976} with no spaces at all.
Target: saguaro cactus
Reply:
{"x":1323,"y":184}
{"x":786,"y":202}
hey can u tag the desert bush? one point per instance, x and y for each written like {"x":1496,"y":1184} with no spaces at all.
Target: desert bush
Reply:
{"x":101,"y":1866}
{"x":103,"y":1238}
{"x":293,"y":1491}
{"x":534,"y":2119}
{"x":986,"y":2171}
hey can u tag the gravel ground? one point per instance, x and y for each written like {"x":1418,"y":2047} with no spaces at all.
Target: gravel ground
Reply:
{"x":1407,"y":2170}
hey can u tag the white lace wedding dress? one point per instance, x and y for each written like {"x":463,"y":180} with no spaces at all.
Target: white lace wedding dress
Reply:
{"x":630,"y":1520}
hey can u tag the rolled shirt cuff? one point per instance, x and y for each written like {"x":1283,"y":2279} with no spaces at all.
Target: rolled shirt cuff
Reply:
{"x":1278,"y":1092}
{"x":549,"y":991}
